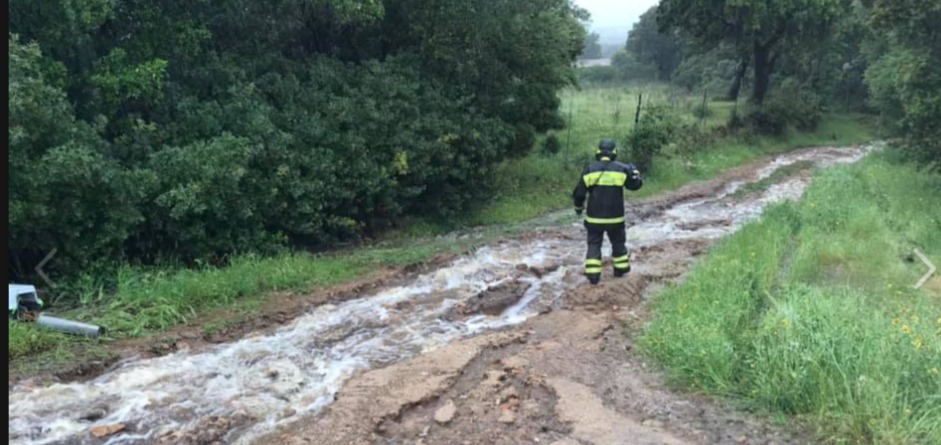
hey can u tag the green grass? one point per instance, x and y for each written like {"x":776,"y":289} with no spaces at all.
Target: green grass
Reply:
{"x":811,"y":311}
{"x":540,"y":182}
{"x":25,"y":340}
{"x":774,"y":178}
{"x":148,"y":301}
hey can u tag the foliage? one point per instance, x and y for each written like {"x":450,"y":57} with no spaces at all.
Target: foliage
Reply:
{"x":769,"y":120}
{"x":756,"y":30}
{"x":209,"y":131}
{"x":551,"y":145}
{"x":790,"y":104}
{"x":60,"y":174}
{"x":780,"y":325}
{"x":592,"y":49}
{"x":598,"y":75}
{"x":629,"y":68}
{"x":650,"y":46}
{"x":25,"y":340}
{"x":653,"y":132}
{"x":903,"y":78}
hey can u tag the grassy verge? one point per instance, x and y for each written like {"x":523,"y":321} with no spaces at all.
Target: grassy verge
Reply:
{"x":148,"y":301}
{"x":811,"y":312}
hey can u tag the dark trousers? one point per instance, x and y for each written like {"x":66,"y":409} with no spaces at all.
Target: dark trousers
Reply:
{"x":617,"y":236}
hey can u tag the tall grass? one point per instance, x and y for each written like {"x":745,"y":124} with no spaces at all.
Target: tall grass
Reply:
{"x":542,"y":182}
{"x":151,"y":300}
{"x":811,"y":311}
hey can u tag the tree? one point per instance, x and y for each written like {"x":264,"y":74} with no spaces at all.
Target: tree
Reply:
{"x":234,"y":125}
{"x":664,"y":50}
{"x":628,"y":68}
{"x":592,"y":47}
{"x":759,"y":30}
{"x":60,"y":177}
{"x":904,"y":79}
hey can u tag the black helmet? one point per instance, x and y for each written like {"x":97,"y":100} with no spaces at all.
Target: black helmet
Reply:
{"x":607,"y":150}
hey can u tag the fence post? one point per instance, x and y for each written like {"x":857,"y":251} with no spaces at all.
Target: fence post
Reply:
{"x":702,"y":111}
{"x":617,"y":114}
{"x":568,"y":136}
{"x":640,"y":97}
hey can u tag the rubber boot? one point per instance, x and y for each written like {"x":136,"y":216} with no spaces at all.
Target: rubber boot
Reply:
{"x":621,"y":272}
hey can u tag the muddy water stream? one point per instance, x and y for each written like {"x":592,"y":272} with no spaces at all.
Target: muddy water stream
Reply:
{"x":250,"y":386}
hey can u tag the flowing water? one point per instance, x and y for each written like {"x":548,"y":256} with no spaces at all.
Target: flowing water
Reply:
{"x":263,"y":380}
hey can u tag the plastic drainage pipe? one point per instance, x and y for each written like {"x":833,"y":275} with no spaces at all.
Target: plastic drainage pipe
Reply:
{"x":69,"y":326}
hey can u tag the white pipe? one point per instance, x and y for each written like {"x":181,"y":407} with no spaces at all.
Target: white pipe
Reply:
{"x":69,"y":326}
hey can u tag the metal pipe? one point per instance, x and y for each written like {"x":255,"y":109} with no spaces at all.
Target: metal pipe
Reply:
{"x":69,"y":326}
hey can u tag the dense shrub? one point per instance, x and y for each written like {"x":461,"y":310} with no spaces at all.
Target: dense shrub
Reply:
{"x":654,"y":131}
{"x":631,"y":69}
{"x":767,"y":121}
{"x":194,"y":130}
{"x":790,"y":104}
{"x":690,"y":138}
{"x":65,"y":193}
{"x":551,"y":145}
{"x":598,"y":75}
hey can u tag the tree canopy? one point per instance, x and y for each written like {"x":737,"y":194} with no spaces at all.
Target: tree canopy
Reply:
{"x":592,"y":47}
{"x":760,"y":31}
{"x":190,"y":130}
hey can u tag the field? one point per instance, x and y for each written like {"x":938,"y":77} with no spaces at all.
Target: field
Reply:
{"x":542,"y":181}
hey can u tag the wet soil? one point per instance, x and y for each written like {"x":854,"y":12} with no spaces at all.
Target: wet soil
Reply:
{"x":569,"y":375}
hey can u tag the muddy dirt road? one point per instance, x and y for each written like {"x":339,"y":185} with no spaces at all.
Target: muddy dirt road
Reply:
{"x":506,"y":345}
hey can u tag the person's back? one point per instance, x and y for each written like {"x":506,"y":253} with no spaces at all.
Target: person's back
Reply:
{"x":602,"y":184}
{"x":606,"y":181}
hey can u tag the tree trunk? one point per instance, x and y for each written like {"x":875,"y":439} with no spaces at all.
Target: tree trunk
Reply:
{"x":762,"y":54}
{"x":736,"y":87}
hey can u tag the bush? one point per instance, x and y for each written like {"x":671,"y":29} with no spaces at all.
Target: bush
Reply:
{"x":689,"y":138}
{"x":598,"y":74}
{"x":790,"y":104}
{"x":767,"y":121}
{"x":60,"y":176}
{"x":207,"y":133}
{"x":551,"y":145}
{"x":629,"y":68}
{"x":702,"y":111}
{"x":654,"y":131}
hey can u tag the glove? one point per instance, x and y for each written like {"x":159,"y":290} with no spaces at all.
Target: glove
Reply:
{"x":634,"y":171}
{"x":578,"y":211}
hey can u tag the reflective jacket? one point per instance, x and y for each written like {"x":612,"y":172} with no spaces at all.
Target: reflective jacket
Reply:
{"x":605,"y":181}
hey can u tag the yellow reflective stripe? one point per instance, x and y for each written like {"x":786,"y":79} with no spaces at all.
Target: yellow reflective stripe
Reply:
{"x":621,"y":259}
{"x":605,"y":178}
{"x":594,"y":269}
{"x":593,"y":262}
{"x":604,"y":220}
{"x":622,"y":266}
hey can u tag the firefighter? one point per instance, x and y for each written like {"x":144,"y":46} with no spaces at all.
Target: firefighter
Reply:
{"x":603,"y":183}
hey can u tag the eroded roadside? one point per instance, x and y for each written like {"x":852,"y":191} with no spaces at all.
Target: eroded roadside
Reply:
{"x":506,"y":345}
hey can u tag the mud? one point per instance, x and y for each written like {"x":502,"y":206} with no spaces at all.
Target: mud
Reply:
{"x":493,"y":300}
{"x":506,"y":345}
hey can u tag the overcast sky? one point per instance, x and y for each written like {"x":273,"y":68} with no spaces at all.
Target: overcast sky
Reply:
{"x":615,"y":13}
